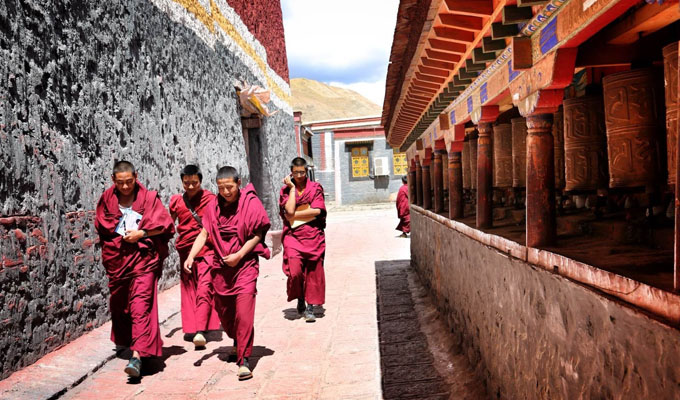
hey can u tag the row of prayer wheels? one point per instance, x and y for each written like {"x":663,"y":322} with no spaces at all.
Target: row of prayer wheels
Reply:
{"x":613,"y":140}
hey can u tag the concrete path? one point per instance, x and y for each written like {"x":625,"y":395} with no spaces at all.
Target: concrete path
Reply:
{"x":337,"y":357}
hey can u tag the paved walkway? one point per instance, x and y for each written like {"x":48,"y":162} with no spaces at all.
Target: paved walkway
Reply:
{"x":337,"y":357}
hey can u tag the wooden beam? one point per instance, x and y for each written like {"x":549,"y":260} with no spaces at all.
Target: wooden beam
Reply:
{"x":419,"y":83}
{"x":644,"y":21}
{"x":440,"y":55}
{"x":470,"y":7}
{"x":433,"y":71}
{"x":465,"y":74}
{"x":530,"y":3}
{"x":428,"y":78}
{"x":499,"y":30}
{"x":424,"y":91}
{"x":437,"y":64}
{"x":521,"y":53}
{"x":444,"y":45}
{"x":462,"y":21}
{"x":461,"y":82}
{"x":479,"y":56}
{"x":458,"y":35}
{"x":489,"y":44}
{"x":417,"y":97}
{"x":455,"y":88}
{"x":471,"y":66}
{"x":516,"y":15}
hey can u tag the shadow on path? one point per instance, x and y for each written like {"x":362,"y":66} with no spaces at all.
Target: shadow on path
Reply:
{"x":224,"y":353}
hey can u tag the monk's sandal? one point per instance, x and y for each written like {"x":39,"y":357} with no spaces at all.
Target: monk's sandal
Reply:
{"x":199,"y":339}
{"x":309,"y":313}
{"x":134,"y":367}
{"x":244,"y":371}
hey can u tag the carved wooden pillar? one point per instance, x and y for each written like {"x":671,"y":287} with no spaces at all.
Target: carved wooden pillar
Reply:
{"x":438,"y":182}
{"x":472,"y":137}
{"x":419,"y":184}
{"x":484,"y":175}
{"x":455,"y":185}
{"x":676,"y":269}
{"x":427,"y":192}
{"x":541,"y":227}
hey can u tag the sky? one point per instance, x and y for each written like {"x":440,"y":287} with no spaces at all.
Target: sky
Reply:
{"x":344,"y":43}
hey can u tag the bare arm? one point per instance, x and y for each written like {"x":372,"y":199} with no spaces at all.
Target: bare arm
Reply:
{"x":233,"y":259}
{"x":133,"y":236}
{"x":195,"y":249}
{"x":290,"y":204}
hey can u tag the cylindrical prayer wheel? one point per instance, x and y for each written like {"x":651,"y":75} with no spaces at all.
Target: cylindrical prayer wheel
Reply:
{"x":670,"y":73}
{"x":473,"y":159}
{"x":519,"y":152}
{"x":466,"y":164}
{"x":585,"y":144}
{"x":631,"y":99}
{"x":558,"y":140}
{"x":502,"y":155}
{"x":445,"y":172}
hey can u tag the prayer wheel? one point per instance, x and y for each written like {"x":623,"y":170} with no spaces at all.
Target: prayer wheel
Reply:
{"x":473,"y":159}
{"x":466,"y":164}
{"x":502,"y":155}
{"x":519,"y":152}
{"x":670,"y":73}
{"x":631,"y":116}
{"x":558,"y":140}
{"x":585,"y":144}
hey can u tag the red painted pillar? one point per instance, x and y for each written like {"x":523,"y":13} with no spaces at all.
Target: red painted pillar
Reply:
{"x":541,"y":226}
{"x":427,"y":192}
{"x":438,"y":182}
{"x":455,"y":176}
{"x":484,"y":175}
{"x":419,"y":184}
{"x":413,"y":197}
{"x":676,"y":269}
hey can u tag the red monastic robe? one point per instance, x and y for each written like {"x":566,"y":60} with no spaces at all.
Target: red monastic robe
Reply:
{"x":229,"y":227}
{"x":304,"y":247}
{"x":403,"y":211}
{"x":198,"y":311}
{"x":133,"y":269}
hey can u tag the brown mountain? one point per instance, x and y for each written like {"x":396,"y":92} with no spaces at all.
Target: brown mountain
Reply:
{"x":319,"y":101}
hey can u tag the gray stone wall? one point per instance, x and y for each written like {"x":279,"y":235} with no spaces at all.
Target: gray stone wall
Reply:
{"x":536,"y":335}
{"x":376,"y":190}
{"x":82,"y":84}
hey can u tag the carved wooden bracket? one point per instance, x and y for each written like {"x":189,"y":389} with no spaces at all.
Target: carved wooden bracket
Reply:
{"x":485,"y":114}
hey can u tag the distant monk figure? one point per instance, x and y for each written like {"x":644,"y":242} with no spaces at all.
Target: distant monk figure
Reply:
{"x":134,"y":229}
{"x":198,"y":311}
{"x":304,"y":242}
{"x":403,"y":211}
{"x":235,"y":223}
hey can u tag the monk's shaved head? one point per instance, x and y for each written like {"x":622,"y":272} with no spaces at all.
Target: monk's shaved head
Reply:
{"x":404,"y":179}
{"x":228,"y":173}
{"x":123,"y":166}
{"x":190,"y":170}
{"x":298,"y":162}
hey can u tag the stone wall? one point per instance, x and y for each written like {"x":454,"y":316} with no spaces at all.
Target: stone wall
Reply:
{"x":534,"y":334}
{"x":83,"y":83}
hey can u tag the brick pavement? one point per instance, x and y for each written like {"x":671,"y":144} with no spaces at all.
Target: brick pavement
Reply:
{"x":336,"y":357}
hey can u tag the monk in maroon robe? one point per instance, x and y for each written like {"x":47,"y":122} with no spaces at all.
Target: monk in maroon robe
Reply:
{"x":134,"y":229}
{"x":403,"y":211}
{"x":198,"y":311}
{"x":303,"y":211}
{"x":235,"y":224}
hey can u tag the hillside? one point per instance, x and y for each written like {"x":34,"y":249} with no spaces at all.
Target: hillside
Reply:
{"x":319,"y":101}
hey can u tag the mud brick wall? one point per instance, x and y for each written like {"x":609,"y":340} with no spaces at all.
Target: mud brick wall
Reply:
{"x":83,"y":83}
{"x":536,"y":335}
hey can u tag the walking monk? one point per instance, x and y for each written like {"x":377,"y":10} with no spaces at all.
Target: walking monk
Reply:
{"x":198,"y":312}
{"x":235,"y":223}
{"x":303,"y":211}
{"x":403,"y":211}
{"x":134,"y":229}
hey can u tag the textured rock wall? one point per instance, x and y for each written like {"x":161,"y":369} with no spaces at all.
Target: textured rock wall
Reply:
{"x":83,"y":83}
{"x":533,"y":334}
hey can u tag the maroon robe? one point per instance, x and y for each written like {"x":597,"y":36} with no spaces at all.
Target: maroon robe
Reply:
{"x":133,"y":269}
{"x":198,"y":311}
{"x":229,"y":226}
{"x":403,"y":211}
{"x":304,"y":247}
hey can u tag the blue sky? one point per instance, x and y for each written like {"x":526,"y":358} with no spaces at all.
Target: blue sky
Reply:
{"x":343,"y":43}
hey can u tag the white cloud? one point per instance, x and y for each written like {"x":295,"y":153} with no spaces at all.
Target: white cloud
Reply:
{"x":374,"y":91}
{"x":346,"y":41}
